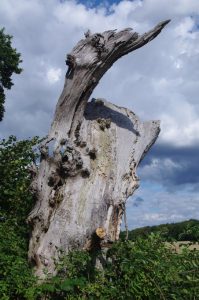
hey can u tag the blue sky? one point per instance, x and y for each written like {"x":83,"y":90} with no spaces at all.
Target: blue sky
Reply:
{"x":158,"y":81}
{"x":94,"y":3}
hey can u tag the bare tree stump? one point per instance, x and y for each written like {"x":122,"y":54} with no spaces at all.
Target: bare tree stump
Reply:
{"x":89,"y":159}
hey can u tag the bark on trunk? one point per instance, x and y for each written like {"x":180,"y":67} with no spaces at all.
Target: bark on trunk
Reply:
{"x":89,"y":159}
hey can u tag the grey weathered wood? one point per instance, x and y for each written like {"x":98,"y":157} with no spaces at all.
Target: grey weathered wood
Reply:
{"x":89,"y":159}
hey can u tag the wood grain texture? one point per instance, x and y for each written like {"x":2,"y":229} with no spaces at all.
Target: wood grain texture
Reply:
{"x":89,"y":159}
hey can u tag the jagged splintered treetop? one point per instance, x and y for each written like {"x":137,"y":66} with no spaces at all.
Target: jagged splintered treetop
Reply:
{"x":81,"y":189}
{"x":87,"y":63}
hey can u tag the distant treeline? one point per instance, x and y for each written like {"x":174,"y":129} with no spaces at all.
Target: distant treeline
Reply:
{"x":182,"y":231}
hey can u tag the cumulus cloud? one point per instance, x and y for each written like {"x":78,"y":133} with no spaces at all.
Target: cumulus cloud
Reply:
{"x":162,"y":206}
{"x":175,"y":168}
{"x":158,"y":81}
{"x":160,"y":75}
{"x":54,"y":75}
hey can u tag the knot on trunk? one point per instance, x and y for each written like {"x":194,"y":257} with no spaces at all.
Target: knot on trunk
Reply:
{"x":56,"y":197}
{"x":104,"y":123}
{"x":78,"y":141}
{"x":92,"y":153}
{"x":71,"y":163}
{"x":98,"y":42}
{"x":71,"y":63}
{"x":44,"y":151}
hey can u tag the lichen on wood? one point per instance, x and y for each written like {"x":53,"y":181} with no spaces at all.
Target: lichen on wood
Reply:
{"x":83,"y":184}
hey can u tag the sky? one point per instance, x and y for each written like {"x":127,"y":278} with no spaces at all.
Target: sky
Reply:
{"x":157,"y":82}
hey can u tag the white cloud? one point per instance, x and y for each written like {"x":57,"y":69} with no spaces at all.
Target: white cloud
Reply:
{"x":155,"y":218}
{"x":54,"y":75}
{"x":155,"y":81}
{"x":184,"y":28}
{"x":181,"y":127}
{"x":161,"y":206}
{"x":160,"y":170}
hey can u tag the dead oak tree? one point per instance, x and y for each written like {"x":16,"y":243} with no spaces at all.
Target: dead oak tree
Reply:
{"x":81,"y":187}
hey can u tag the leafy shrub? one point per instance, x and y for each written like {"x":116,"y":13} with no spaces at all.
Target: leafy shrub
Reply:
{"x":16,"y":279}
{"x":144,"y":269}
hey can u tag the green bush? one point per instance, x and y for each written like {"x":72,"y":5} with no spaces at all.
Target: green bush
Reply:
{"x":16,"y":279}
{"x":144,"y":269}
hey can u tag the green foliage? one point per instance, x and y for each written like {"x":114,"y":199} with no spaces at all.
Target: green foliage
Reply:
{"x":145,"y":269}
{"x":190,"y":232}
{"x":15,"y":202}
{"x":78,"y":263}
{"x":15,"y":158}
{"x":16,"y":276}
{"x":9,"y":64}
{"x":182,"y":231}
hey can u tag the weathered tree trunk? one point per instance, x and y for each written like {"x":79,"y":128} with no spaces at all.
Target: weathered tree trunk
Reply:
{"x":89,"y":160}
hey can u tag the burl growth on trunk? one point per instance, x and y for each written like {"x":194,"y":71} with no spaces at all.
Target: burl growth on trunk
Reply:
{"x":89,"y":159}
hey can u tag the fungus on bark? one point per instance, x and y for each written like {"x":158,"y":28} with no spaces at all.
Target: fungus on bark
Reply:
{"x":84,"y":184}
